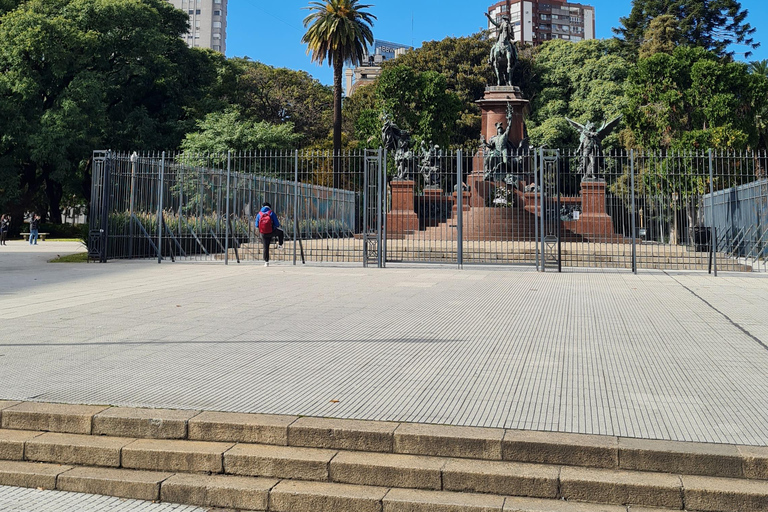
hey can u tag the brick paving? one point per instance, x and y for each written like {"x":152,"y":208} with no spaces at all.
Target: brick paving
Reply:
{"x":680,"y":356}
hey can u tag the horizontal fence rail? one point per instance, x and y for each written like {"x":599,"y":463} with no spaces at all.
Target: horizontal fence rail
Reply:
{"x":642,"y":210}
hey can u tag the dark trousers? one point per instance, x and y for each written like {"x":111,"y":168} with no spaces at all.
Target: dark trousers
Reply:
{"x":266,"y":238}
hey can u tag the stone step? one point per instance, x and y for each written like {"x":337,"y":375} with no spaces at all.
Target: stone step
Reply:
{"x":263,"y":494}
{"x":145,"y":463}
{"x":41,"y":432}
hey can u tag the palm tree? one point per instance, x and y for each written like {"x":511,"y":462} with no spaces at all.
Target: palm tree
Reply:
{"x":340,"y":31}
{"x":759,"y":67}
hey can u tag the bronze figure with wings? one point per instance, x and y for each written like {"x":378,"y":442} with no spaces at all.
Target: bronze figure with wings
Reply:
{"x":590,"y":145}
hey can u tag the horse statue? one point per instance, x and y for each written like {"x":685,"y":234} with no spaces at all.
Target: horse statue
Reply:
{"x":503,"y":58}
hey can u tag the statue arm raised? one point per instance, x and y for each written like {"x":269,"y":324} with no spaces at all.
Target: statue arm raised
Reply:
{"x":493,"y":22}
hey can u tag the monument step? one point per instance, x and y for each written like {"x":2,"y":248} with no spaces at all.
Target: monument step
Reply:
{"x":270,"y":462}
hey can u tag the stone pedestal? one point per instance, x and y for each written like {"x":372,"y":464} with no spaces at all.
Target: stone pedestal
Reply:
{"x":494,"y":109}
{"x":465,"y":200}
{"x":402,"y":219}
{"x":594,"y":221}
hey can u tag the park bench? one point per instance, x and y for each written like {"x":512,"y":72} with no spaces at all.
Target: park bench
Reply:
{"x":40,"y":235}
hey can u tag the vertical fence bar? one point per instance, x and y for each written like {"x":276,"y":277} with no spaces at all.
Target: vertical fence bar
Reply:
{"x":226,"y":220}
{"x":713,"y":230}
{"x":132,"y":206}
{"x":633,"y":220}
{"x":295,"y":201}
{"x":536,"y":209}
{"x":541,"y":211}
{"x":559,"y":219}
{"x":160,"y":209}
{"x":459,"y":210}
{"x":383,"y":248}
{"x":104,"y":228}
{"x":379,"y":208}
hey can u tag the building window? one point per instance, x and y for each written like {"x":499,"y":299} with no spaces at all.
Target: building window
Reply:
{"x":216,"y":35}
{"x":197,"y":11}
{"x":217,"y":47}
{"x":216,"y":24}
{"x":217,"y":13}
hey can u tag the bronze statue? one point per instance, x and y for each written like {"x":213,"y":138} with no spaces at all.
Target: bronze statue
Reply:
{"x":503,"y":58}
{"x":398,"y":141}
{"x":496,"y":151}
{"x":590,"y":145}
{"x":428,"y":165}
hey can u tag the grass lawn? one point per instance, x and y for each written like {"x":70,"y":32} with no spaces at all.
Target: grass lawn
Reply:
{"x":80,"y":257}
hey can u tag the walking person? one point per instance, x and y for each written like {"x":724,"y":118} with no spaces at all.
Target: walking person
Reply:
{"x":5,"y":224}
{"x":269,"y":227}
{"x":34,"y":225}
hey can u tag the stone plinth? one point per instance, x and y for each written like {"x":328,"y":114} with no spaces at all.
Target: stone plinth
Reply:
{"x":594,"y":222}
{"x":494,"y":110}
{"x":465,"y":200}
{"x":402,"y":219}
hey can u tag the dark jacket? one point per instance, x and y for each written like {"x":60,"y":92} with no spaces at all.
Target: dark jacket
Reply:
{"x":34,"y":224}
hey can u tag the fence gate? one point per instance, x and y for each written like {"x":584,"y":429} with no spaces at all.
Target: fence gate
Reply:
{"x":550,"y":232}
{"x":373,"y":209}
{"x":99,"y":215}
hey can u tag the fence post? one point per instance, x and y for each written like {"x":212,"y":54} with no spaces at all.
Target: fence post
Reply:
{"x":541,"y":210}
{"x":459,"y":209}
{"x":633,"y":215}
{"x":134,"y":158}
{"x":713,"y":229}
{"x":385,"y":204}
{"x":379,"y":207}
{"x":295,"y":201}
{"x":105,"y":194}
{"x":226,"y":221}
{"x":160,"y":209}
{"x":536,"y":208}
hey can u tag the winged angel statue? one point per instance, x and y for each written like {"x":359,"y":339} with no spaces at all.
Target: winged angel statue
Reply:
{"x":590,"y":145}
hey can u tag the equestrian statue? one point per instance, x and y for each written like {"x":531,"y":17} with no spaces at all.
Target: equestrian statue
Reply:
{"x":503,"y":58}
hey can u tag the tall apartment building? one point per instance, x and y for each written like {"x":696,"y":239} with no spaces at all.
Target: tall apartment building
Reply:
{"x":370,"y":69}
{"x":207,"y":23}
{"x":537,"y":21}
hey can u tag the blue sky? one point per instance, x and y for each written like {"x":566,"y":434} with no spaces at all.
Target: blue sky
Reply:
{"x":271,"y":32}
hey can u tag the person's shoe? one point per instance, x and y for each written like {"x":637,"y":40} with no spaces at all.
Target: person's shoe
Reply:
{"x":266,"y":263}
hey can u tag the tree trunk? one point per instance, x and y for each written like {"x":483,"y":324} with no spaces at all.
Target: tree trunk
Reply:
{"x":338,"y":67}
{"x":54,"y":193}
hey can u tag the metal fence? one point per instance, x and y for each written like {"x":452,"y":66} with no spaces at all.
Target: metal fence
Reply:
{"x":645,"y":210}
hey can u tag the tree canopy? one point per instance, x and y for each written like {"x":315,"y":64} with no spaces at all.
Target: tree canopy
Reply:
{"x":711,"y":24}
{"x":583,"y":81}
{"x":691,"y":100}
{"x":82,"y":74}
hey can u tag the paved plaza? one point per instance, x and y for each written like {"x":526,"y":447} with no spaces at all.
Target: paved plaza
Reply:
{"x":678,"y":356}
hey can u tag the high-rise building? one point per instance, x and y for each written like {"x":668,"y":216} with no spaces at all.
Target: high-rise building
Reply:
{"x":207,"y":23}
{"x":370,"y":69}
{"x":537,"y":21}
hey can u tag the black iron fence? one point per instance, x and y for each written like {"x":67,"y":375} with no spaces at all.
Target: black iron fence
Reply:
{"x":643,"y":210}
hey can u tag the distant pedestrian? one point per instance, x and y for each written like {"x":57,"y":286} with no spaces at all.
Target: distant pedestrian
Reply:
{"x":269,"y":227}
{"x":5,"y":224}
{"x":34,"y":226}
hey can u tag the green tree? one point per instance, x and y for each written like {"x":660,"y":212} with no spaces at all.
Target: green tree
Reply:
{"x":76,"y":75}
{"x":463,"y":61}
{"x":226,"y":131}
{"x":663,"y":36}
{"x":691,"y":99}
{"x":339,"y":31}
{"x":583,"y":81}
{"x":280,"y":95}
{"x":711,"y":24}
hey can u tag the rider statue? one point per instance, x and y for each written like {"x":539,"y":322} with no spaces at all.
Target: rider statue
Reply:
{"x":503,"y":58}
